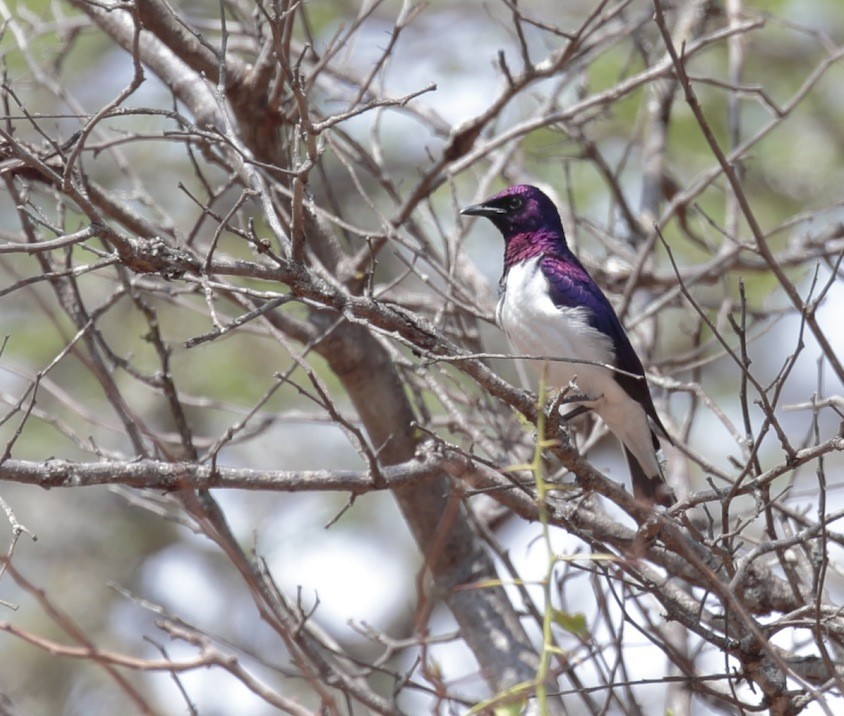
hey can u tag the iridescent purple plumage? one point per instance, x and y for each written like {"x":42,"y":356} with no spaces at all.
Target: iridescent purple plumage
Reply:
{"x":559,"y":307}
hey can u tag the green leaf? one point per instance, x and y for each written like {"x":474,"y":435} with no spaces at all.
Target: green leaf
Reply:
{"x":572,"y":623}
{"x":513,"y":708}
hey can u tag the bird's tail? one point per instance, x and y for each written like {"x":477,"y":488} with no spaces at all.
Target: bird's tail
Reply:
{"x":650,"y":488}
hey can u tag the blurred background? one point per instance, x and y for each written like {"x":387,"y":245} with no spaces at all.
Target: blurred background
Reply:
{"x":117,"y":560}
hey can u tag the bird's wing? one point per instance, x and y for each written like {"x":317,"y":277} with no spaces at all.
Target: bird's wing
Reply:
{"x":571,"y":286}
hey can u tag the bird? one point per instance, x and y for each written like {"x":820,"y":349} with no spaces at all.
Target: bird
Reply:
{"x":550,"y":306}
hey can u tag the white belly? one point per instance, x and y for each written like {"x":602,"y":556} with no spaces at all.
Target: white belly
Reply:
{"x":536,"y":327}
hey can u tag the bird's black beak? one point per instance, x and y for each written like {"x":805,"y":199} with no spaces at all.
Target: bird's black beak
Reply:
{"x":483,"y":210}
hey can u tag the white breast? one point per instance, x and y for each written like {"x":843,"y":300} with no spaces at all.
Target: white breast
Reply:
{"x":536,"y":327}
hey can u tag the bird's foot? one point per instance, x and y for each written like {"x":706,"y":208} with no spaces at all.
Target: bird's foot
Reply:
{"x":569,"y":394}
{"x":565,"y":397}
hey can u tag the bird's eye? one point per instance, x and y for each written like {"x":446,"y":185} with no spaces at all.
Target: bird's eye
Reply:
{"x":515,"y":203}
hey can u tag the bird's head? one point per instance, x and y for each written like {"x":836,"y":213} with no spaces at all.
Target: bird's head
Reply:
{"x":519,"y":210}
